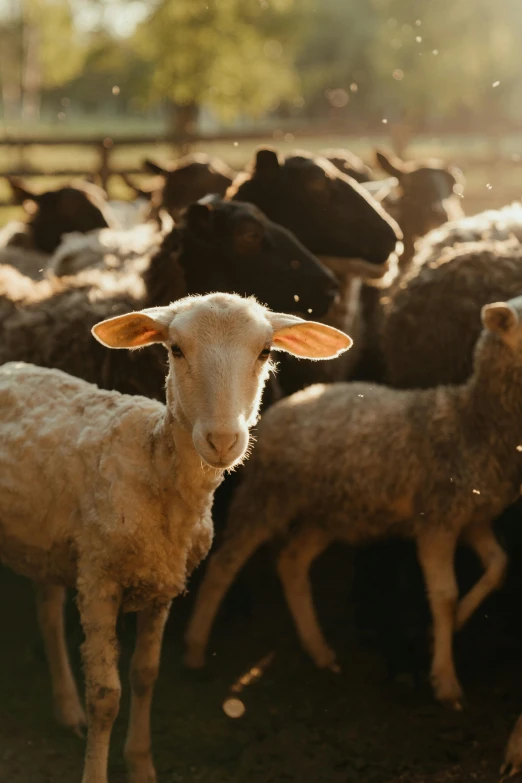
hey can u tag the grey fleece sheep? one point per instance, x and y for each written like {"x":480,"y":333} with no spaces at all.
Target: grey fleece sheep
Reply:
{"x":429,"y":323}
{"x":493,"y":224}
{"x":356,"y":462}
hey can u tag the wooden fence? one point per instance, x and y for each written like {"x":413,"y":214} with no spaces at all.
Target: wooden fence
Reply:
{"x":106,"y":146}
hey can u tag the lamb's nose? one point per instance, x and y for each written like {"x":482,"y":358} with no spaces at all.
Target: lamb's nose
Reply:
{"x":222,"y":442}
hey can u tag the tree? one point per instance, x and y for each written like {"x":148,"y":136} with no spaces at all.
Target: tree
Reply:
{"x":39,"y":48}
{"x":232,"y":56}
{"x":431,"y":58}
{"x":333,"y":59}
{"x":412,"y":61}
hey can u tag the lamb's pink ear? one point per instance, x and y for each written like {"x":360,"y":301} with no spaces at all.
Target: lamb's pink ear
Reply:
{"x":307,"y":339}
{"x":132,"y":330}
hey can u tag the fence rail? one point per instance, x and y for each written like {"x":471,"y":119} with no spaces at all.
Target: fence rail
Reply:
{"x":105,"y":146}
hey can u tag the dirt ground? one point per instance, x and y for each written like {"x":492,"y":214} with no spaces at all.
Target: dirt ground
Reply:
{"x":375,"y":722}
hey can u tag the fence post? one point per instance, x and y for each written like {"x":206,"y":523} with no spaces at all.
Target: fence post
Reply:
{"x":21,"y":157}
{"x":105,"y":170}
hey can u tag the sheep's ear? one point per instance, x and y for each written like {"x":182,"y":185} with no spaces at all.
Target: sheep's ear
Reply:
{"x":307,"y":339}
{"x":20,"y":192}
{"x":149,"y":165}
{"x":456,"y":175}
{"x":92,"y":189}
{"x":391,"y":164}
{"x":199,"y":216}
{"x":266,"y":164}
{"x":138,"y":192}
{"x":132,"y":330}
{"x":499,"y":317}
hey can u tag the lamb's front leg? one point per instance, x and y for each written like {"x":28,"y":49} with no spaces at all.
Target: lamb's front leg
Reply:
{"x":99,"y":602}
{"x":436,"y":552}
{"x":513,"y":756}
{"x":49,"y":603}
{"x":143,"y":675}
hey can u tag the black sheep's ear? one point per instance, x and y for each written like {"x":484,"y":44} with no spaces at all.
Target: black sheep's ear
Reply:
{"x":389,"y":163}
{"x":266,"y":164}
{"x":20,"y":192}
{"x":199,"y":218}
{"x":149,"y":165}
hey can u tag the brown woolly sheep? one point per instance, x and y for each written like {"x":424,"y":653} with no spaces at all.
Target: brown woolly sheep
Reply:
{"x":356,"y":462}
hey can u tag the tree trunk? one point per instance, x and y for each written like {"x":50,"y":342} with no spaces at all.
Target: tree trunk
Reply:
{"x":32,"y":76}
{"x":11,"y":96}
{"x":10,"y":76}
{"x":11,"y":59}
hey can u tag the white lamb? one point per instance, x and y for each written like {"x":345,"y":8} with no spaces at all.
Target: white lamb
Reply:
{"x":111,"y":493}
{"x":108,"y":248}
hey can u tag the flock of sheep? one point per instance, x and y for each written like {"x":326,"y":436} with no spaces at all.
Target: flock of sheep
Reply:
{"x":416,"y":431}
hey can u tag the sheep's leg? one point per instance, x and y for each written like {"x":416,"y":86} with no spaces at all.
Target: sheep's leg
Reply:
{"x":436,"y":551}
{"x":513,"y":755}
{"x":143,"y":675}
{"x":99,"y":612}
{"x":50,"y":601}
{"x":483,"y":540}
{"x":222,"y":568}
{"x":293,"y":566}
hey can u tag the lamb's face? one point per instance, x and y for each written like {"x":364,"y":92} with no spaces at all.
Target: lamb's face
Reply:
{"x":219,"y":363}
{"x":219,"y":355}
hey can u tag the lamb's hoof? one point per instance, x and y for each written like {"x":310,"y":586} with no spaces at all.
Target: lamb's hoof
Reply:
{"x":140,"y":767}
{"x":143,"y":777}
{"x":513,"y":759}
{"x":509,"y":770}
{"x":72,"y":716}
{"x":448,"y":692}
{"x":327,"y":659}
{"x":194,"y":658}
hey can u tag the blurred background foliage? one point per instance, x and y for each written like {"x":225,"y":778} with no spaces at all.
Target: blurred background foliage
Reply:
{"x":187,"y":64}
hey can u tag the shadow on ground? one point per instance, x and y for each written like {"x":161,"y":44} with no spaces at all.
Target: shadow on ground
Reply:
{"x":300,"y":724}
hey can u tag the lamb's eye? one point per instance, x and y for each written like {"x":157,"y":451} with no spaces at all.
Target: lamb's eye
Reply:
{"x":176,"y":351}
{"x":264,"y":355}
